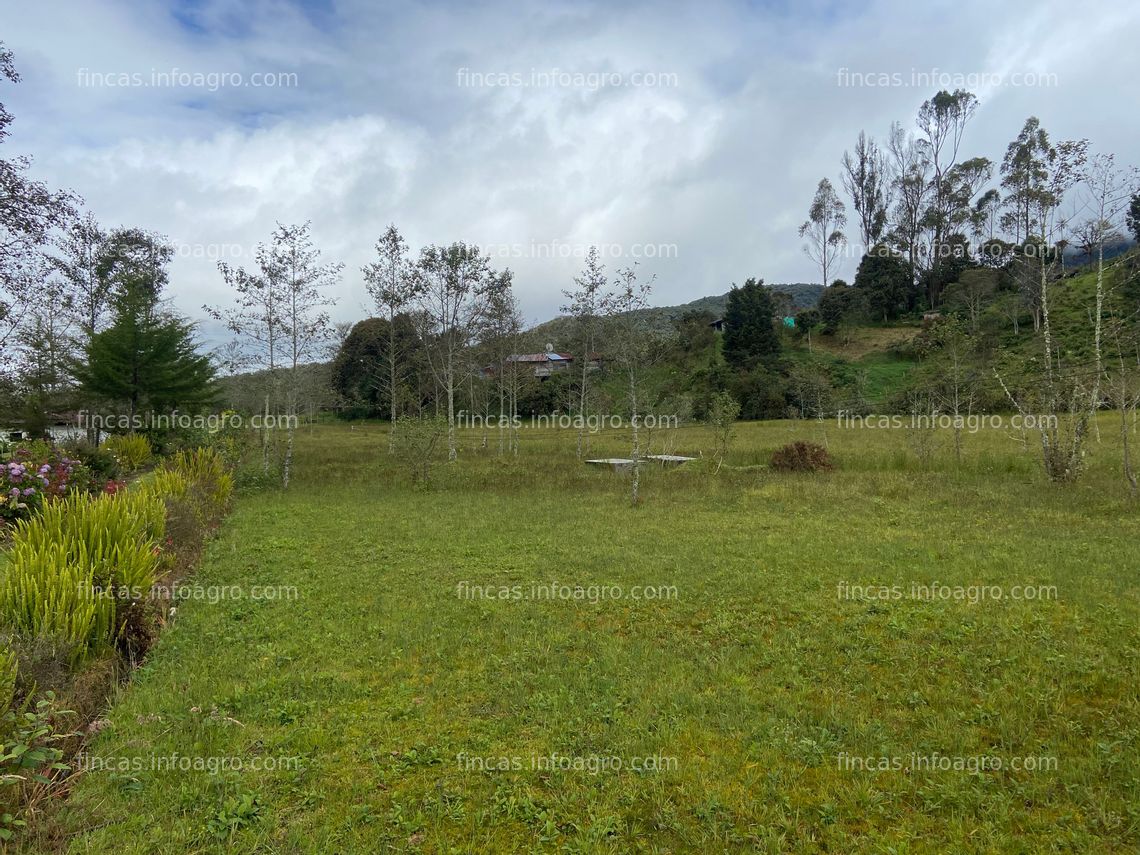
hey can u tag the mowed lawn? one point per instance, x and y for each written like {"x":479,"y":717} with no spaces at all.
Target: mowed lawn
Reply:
{"x":747,"y":693}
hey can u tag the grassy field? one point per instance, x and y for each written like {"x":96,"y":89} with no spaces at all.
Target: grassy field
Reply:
{"x":749,"y":704}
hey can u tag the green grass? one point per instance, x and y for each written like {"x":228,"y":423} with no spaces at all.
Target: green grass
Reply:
{"x":755,"y":679}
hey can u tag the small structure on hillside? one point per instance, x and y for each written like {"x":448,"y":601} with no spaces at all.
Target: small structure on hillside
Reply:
{"x":546,"y":364}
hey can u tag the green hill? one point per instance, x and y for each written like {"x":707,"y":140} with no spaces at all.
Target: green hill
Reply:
{"x":660,"y":319}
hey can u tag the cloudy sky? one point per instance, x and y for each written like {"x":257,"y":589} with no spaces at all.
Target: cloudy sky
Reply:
{"x":689,"y":134}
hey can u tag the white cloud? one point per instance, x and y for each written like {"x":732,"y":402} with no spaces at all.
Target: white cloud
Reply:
{"x":722,"y":165}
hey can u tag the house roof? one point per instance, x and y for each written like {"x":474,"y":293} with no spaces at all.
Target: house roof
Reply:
{"x":540,"y":357}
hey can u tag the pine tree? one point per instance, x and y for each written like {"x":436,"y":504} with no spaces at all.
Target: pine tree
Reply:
{"x":148,"y":355}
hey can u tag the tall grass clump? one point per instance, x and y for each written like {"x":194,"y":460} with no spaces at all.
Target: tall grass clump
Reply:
{"x":73,"y":571}
{"x":130,"y":450}
{"x":208,"y":477}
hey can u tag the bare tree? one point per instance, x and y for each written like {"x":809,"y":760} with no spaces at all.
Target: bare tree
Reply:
{"x":258,"y":320}
{"x":451,"y":294}
{"x":823,"y":228}
{"x":306,"y":322}
{"x":1060,"y":402}
{"x":392,"y":284}
{"x":502,"y":326}
{"x":585,"y":307}
{"x":630,"y":349}
{"x":1109,"y":190}
{"x":76,"y":260}
{"x":1124,"y":393}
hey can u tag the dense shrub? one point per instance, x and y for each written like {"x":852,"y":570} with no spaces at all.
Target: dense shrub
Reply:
{"x":99,"y":461}
{"x":801,"y":457}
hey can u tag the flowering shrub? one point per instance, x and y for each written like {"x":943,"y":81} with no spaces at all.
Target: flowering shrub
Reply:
{"x":28,"y":480}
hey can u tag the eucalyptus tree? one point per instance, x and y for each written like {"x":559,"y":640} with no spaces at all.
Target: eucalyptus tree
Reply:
{"x":823,"y":228}
{"x":866,"y":178}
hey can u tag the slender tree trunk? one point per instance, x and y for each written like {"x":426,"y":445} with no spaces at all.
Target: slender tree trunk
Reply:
{"x":449,"y":379}
{"x":291,"y":416}
{"x":1094,"y":402}
{"x":392,"y":384}
{"x":265,"y":439}
{"x":635,"y":480}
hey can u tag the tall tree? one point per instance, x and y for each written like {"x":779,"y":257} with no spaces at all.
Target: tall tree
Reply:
{"x":1024,"y":170}
{"x":750,"y":337}
{"x":47,"y":350}
{"x":304,"y":280}
{"x":823,"y":228}
{"x":77,"y":260}
{"x":867,"y":181}
{"x":502,"y":326}
{"x":942,"y":124}
{"x":910,"y":166}
{"x":1108,"y":189}
{"x":630,"y":347}
{"x":147,"y":356}
{"x":451,"y":296}
{"x":392,"y":284}
{"x":257,"y":320}
{"x":1061,"y":393}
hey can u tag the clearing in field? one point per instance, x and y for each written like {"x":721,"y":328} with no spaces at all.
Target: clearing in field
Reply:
{"x":884,"y":658}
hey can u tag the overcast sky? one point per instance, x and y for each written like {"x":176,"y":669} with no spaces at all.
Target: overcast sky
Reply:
{"x":691,"y":133}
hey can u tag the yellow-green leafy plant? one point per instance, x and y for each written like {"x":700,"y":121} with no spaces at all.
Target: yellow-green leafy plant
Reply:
{"x":131,"y":450}
{"x":165,"y":483}
{"x":207,"y":471}
{"x":71,"y":570}
{"x":7,"y":679}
